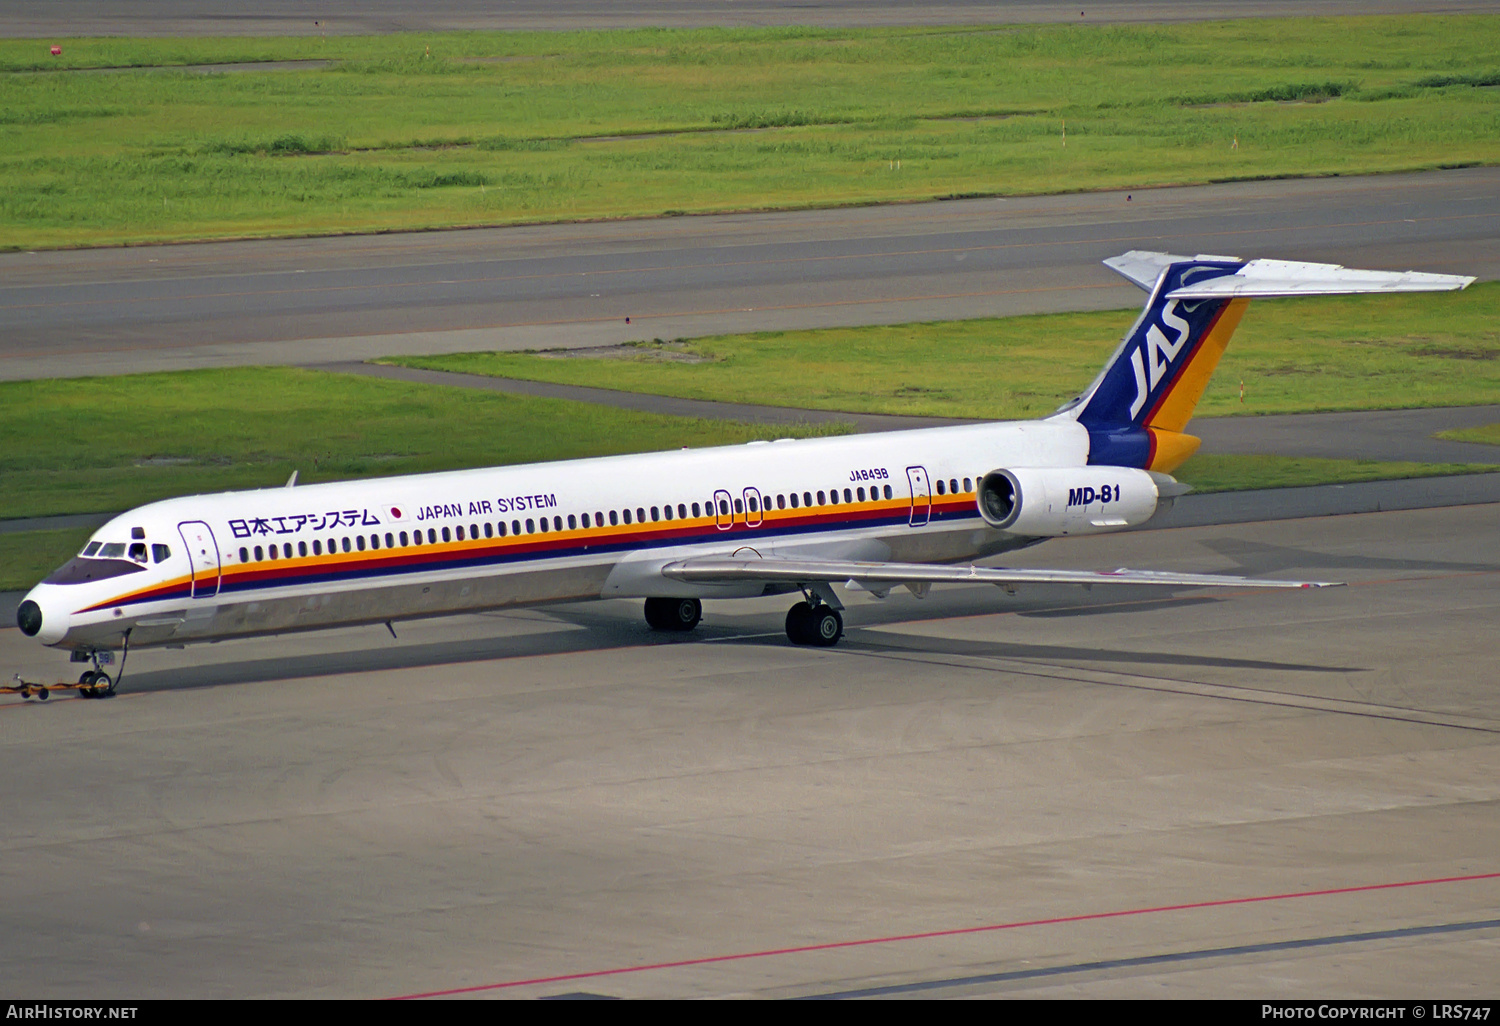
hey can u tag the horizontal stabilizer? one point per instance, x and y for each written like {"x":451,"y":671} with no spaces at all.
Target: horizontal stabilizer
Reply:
{"x":1143,"y":267}
{"x":1264,"y":278}
{"x":877,"y":576}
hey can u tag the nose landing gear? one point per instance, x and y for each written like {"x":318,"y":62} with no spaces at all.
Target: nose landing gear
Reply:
{"x":93,"y":683}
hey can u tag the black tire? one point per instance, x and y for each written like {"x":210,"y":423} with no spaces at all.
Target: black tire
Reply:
{"x":103,"y":686}
{"x":86,"y":679}
{"x":673,"y":614}
{"x":826,"y":626}
{"x":799,"y":624}
{"x":41,"y":693}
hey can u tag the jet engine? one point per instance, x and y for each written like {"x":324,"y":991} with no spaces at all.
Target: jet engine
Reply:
{"x":1046,"y":502}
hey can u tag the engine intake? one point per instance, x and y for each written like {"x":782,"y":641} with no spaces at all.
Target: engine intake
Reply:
{"x":1046,"y":502}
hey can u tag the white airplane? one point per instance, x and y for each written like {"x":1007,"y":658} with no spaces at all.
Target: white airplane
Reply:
{"x":871,"y":512}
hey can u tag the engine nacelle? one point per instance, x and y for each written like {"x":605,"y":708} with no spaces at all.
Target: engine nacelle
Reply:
{"x":1045,"y":502}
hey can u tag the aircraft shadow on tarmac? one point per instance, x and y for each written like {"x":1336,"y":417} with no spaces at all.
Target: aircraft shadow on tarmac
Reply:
{"x":607,"y":629}
{"x":1256,"y":559}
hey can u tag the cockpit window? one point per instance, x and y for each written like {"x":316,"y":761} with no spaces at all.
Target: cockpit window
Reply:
{"x":112,"y":550}
{"x":80,"y":571}
{"x":138,"y":552}
{"x":91,"y":548}
{"x":160,"y":553}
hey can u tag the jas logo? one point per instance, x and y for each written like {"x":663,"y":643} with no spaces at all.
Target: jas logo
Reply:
{"x":1089,"y":496}
{"x":1153,"y":359}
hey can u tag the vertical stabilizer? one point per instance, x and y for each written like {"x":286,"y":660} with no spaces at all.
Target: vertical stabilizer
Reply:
{"x":1137,"y":408}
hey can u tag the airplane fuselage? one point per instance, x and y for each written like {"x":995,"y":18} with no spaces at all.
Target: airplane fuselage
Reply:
{"x":286,"y":559}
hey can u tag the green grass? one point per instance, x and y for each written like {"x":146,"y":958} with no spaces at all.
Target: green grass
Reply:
{"x":1210,"y":472}
{"x":28,"y":556}
{"x":1294,"y":356}
{"x":1485,"y":434}
{"x":498,"y":128}
{"x":103,"y":444}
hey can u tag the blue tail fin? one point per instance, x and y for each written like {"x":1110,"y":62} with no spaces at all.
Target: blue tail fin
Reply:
{"x":1136,"y":409}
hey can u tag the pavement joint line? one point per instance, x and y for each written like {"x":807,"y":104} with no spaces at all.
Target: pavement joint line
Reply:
{"x":1142,"y":961}
{"x":953,"y":932}
{"x":1199,"y":689}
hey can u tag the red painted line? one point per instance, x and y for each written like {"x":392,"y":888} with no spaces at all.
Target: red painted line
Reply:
{"x":960,"y":931}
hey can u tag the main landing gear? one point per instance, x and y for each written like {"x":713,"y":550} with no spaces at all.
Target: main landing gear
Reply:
{"x":673,"y":614}
{"x":815,"y":623}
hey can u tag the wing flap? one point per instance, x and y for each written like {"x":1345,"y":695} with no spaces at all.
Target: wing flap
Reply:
{"x":878,"y":576}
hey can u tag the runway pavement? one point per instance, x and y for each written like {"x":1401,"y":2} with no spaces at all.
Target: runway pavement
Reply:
{"x":1262,"y":795}
{"x":291,"y":17}
{"x":117,"y":311}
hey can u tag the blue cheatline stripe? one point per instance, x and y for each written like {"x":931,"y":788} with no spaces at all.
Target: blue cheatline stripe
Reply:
{"x":538,"y":550}
{"x":1176,"y":956}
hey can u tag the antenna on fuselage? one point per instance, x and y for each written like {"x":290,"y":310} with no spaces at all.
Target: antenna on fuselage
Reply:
{"x":291,"y":481}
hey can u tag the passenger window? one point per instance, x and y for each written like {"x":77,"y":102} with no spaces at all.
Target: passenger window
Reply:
{"x":572,"y":522}
{"x":859,"y":493}
{"x":530,"y":526}
{"x":626,"y":515}
{"x":346,"y":544}
{"x":286,"y":550}
{"x":753,"y":507}
{"x":794,"y":500}
{"x":515,"y":527}
{"x":682,"y":511}
{"x":739,"y":505}
{"x":460,"y":532}
{"x":404,"y":542}
{"x":359,"y":542}
{"x":92,"y":548}
{"x":244,"y":556}
{"x":259,"y":554}
{"x":968,"y":485}
{"x":655,"y":513}
{"x":781,"y":502}
{"x":302,"y":548}
{"x":724,"y":507}
{"x":666,"y":511}
{"x":138,"y":552}
{"x":614,"y":518}
{"x":317,"y":547}
{"x":544,"y":525}
{"x":953,"y":486}
{"x":887,"y":491}
{"x":557,"y":523}
{"x":500,"y":528}
{"x":390,"y":540}
{"x":446,"y":535}
{"x":807,"y":498}
{"x":160,"y":553}
{"x":846,"y":496}
{"x":820,"y":499}
{"x":474,"y":532}
{"x":695,"y":510}
{"x":940,"y":487}
{"x":640,"y":515}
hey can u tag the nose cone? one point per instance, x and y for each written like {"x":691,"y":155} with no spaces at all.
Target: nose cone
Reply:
{"x":29,"y":618}
{"x":39,"y":618}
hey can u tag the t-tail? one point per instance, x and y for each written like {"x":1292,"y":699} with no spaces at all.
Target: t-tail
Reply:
{"x":1137,"y":408}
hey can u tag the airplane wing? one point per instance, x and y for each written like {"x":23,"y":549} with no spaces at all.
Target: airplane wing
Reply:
{"x":877,"y":577}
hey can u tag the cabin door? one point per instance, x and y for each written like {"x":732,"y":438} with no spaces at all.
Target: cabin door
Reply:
{"x":203,"y":551}
{"x":921,"y":496}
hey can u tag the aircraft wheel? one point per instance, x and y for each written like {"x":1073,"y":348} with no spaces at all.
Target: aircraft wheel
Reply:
{"x":827,"y":626}
{"x":799,"y":626}
{"x":673,"y":614}
{"x":41,"y":693}
{"x":103,"y":686}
